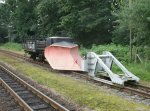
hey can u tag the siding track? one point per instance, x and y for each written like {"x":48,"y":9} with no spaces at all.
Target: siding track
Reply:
{"x":7,"y":102}
{"x":29,"y":98}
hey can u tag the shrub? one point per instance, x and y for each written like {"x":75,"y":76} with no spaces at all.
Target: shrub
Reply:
{"x":119,"y":51}
{"x":12,"y":46}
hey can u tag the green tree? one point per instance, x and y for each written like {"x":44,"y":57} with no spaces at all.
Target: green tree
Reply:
{"x":3,"y":33}
{"x":135,"y":18}
{"x":48,"y":17}
{"x":138,"y":18}
{"x":24,"y":17}
{"x":19,"y":17}
{"x":88,"y":21}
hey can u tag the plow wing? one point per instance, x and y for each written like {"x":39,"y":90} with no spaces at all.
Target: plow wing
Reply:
{"x":63,"y":56}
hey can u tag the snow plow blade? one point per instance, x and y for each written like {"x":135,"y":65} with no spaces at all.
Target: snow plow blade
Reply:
{"x":63,"y":56}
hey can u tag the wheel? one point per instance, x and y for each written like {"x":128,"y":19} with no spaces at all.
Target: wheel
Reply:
{"x":33,"y":56}
{"x":41,"y":57}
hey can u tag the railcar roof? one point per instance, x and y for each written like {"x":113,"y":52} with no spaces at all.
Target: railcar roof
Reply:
{"x":64,"y":44}
{"x":60,"y":37}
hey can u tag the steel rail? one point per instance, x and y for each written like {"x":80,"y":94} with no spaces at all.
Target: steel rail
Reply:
{"x":20,"y":101}
{"x":139,"y":90}
{"x":48,"y":100}
{"x":144,"y":88}
{"x":133,"y":90}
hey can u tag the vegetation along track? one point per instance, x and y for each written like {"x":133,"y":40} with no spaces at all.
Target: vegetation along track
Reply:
{"x":29,"y":98}
{"x":139,"y":90}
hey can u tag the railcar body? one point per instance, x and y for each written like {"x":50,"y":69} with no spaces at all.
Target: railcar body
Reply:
{"x":35,"y":46}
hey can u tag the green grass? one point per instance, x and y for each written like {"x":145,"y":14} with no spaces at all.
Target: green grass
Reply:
{"x":82,"y":93}
{"x":11,"y":46}
{"x":141,"y":70}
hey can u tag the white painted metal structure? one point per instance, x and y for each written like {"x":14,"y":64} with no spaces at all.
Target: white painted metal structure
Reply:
{"x":97,"y":63}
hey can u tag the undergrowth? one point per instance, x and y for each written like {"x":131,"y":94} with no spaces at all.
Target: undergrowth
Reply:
{"x":141,"y":70}
{"x":11,"y":46}
{"x":121,"y":52}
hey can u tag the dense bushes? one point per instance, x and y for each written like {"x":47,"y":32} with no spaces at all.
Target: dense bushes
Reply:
{"x":121,"y":52}
{"x":11,"y":46}
{"x":89,"y":21}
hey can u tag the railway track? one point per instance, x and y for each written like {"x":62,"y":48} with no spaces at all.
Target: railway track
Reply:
{"x":7,"y":102}
{"x":139,"y":90}
{"x":28,"y":98}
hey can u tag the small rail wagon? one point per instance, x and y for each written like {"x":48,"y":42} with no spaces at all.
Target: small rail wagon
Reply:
{"x":35,"y":46}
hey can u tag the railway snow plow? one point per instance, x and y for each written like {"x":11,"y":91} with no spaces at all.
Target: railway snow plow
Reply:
{"x":63,"y":56}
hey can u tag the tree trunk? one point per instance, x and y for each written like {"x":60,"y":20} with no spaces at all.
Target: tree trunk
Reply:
{"x":136,"y":57}
{"x":130,"y":1}
{"x":130,"y":46}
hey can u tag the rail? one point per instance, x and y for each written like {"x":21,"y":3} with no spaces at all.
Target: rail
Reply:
{"x":39,"y":94}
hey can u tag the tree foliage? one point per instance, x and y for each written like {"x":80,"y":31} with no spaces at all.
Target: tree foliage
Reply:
{"x":24,"y":17}
{"x":48,"y":17}
{"x":135,"y":17}
{"x":19,"y":16}
{"x":89,"y":21}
